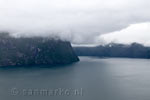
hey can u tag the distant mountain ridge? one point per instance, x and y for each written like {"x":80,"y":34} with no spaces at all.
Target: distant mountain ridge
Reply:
{"x":35,"y":51}
{"x":135,"y":50}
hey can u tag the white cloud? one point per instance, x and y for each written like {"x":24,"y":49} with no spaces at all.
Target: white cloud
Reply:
{"x":134,"y":33}
{"x":80,"y":21}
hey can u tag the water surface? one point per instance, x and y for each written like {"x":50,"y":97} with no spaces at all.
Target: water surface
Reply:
{"x":92,"y":78}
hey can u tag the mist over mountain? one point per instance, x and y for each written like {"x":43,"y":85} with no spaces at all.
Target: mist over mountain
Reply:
{"x":133,"y":50}
{"x":34,"y":51}
{"x":81,"y":22}
{"x":77,"y":21}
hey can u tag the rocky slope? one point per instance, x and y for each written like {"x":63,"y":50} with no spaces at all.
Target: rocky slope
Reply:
{"x":34,"y":51}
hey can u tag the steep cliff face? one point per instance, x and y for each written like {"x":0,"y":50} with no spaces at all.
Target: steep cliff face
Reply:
{"x":35,"y":51}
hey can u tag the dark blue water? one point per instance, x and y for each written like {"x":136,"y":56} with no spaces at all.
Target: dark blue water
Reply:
{"x":89,"y":79}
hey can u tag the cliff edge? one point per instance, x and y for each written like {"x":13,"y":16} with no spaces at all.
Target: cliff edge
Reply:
{"x":35,"y":51}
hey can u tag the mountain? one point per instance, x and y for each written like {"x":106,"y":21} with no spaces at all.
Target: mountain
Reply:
{"x":134,"y":50}
{"x":35,"y":51}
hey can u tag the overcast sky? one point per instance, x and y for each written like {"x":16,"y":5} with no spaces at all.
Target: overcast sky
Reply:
{"x":80,"y":21}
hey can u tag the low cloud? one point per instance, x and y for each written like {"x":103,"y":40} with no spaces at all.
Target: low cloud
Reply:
{"x":134,"y":33}
{"x":79,"y":21}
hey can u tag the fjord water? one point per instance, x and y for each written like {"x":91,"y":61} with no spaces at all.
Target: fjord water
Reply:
{"x":95,"y":78}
